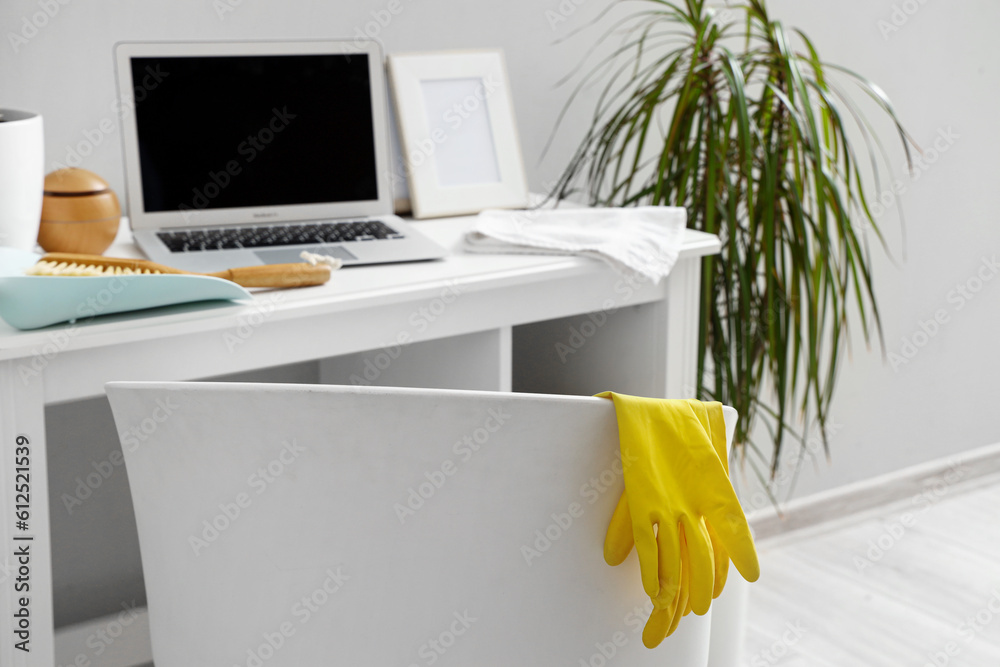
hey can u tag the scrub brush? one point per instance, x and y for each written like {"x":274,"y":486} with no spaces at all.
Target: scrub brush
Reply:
{"x":315,"y":270}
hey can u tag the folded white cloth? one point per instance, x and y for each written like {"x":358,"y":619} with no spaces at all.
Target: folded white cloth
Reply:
{"x":644,"y":240}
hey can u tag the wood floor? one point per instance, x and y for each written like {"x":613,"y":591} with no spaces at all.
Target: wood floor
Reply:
{"x":914,"y":584}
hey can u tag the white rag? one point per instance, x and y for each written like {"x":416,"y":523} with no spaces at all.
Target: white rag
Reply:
{"x":644,"y":240}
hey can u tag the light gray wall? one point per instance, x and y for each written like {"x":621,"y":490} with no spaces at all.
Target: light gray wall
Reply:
{"x":940,"y":68}
{"x":65,"y":71}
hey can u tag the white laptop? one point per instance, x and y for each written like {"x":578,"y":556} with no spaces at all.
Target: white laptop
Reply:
{"x":246,"y":153}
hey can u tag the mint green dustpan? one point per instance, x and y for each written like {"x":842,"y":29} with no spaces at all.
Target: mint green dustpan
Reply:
{"x":32,"y":302}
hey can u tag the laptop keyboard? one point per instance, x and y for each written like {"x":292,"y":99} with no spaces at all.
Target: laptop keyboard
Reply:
{"x":276,"y":235}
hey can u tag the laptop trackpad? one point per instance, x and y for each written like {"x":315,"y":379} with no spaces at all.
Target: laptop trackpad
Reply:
{"x":291,"y":255}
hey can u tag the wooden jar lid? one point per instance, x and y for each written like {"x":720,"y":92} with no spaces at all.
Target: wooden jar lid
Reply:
{"x":72,"y":182}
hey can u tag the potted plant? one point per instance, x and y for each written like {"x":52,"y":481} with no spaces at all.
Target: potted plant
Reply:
{"x":22,"y":174}
{"x":723,"y":111}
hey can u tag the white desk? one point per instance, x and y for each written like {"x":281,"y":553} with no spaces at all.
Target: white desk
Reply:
{"x":458,"y":316}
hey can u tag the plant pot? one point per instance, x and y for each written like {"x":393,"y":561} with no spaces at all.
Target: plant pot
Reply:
{"x":22,"y":174}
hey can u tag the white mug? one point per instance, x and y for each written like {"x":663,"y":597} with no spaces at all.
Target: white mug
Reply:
{"x":22,"y":177}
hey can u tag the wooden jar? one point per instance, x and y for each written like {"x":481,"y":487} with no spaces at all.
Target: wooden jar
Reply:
{"x":80,"y":213}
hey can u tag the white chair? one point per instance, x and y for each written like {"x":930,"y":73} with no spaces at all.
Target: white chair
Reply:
{"x":287,"y":525}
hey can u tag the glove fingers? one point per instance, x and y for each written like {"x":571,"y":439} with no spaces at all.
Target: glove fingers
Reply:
{"x":618,"y":542}
{"x":668,"y":541}
{"x":699,"y":564}
{"x":731,"y":528}
{"x":647,"y":550}
{"x":666,"y":616}
{"x":721,"y":561}
{"x":683,"y":601}
{"x":657,"y":627}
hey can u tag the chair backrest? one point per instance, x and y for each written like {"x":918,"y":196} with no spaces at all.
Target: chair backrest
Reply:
{"x":322,"y":525}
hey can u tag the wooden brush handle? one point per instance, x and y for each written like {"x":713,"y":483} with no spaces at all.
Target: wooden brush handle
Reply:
{"x":277,"y":275}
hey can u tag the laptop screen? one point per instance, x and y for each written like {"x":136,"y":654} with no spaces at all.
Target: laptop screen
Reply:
{"x":219,"y":132}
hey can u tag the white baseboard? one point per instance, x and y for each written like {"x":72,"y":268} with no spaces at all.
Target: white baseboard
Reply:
{"x":831,"y":508}
{"x":118,"y":640}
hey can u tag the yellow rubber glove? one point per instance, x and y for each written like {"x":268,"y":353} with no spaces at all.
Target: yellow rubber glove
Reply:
{"x":679,"y":508}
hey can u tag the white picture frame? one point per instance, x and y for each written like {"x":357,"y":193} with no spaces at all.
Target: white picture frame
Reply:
{"x":457,"y":132}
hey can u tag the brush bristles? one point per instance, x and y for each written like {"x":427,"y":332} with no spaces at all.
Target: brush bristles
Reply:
{"x":74,"y":269}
